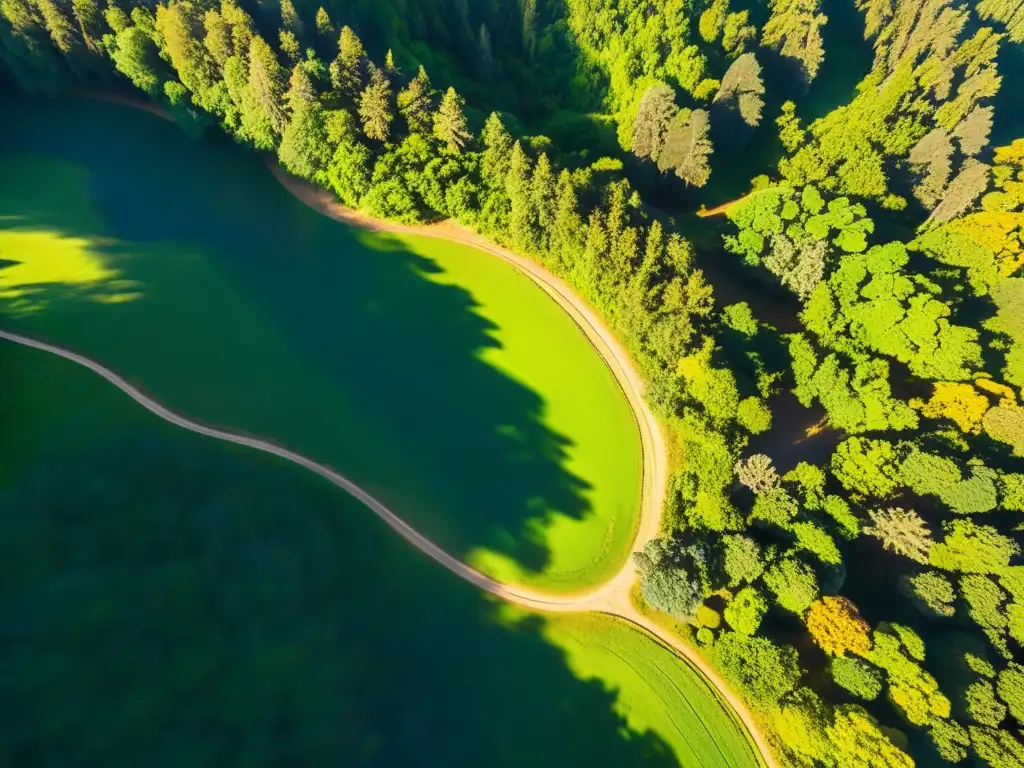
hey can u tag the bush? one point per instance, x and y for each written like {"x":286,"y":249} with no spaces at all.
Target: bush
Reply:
{"x":857,"y":676}
{"x":794,"y":584}
{"x":763,"y":671}
{"x":708,"y":617}
{"x":745,"y":611}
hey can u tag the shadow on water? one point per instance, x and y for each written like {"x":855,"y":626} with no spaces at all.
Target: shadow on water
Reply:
{"x":339,"y":344}
{"x":167,"y":601}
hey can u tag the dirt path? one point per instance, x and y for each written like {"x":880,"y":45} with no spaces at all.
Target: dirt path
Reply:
{"x":724,"y":207}
{"x":614,"y":596}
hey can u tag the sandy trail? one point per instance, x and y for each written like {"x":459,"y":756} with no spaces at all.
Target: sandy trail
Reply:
{"x":612,"y":597}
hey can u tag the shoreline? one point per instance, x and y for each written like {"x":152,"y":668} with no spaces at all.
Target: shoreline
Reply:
{"x":614,"y":596}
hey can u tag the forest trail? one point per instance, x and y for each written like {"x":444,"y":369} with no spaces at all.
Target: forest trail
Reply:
{"x":614,"y":596}
{"x":724,"y":207}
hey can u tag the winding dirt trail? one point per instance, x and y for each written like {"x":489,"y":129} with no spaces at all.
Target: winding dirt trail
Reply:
{"x":614,"y":596}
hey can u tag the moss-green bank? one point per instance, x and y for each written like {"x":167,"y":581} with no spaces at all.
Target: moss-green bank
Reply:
{"x":431,"y":373}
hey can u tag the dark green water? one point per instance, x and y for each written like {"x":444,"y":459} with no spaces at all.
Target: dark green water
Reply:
{"x":166,"y":601}
{"x":431,"y":374}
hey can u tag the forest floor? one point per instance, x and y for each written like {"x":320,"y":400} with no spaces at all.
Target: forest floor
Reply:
{"x":614,"y":597}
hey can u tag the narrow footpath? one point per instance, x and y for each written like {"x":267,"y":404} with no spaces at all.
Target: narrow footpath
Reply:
{"x":614,"y":596}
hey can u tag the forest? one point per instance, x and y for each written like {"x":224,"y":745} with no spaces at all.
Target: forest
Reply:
{"x":847,"y":428}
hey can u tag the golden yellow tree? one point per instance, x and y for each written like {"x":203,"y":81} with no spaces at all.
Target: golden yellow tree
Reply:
{"x":836,"y":626}
{"x":958,"y":401}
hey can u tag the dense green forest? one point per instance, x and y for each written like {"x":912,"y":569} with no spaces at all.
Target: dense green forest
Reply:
{"x":860,"y":584}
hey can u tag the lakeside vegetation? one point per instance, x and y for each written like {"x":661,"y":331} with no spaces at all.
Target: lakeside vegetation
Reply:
{"x":407,"y":363}
{"x":170,"y":598}
{"x":861,"y":588}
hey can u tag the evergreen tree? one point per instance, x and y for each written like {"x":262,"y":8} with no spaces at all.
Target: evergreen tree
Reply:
{"x":737,"y":105}
{"x":347,"y":68}
{"x":963,"y":191}
{"x":90,"y":22}
{"x":542,"y":193}
{"x":324,"y":25}
{"x":414,"y":103}
{"x":290,"y":18}
{"x":349,"y":170}
{"x":375,"y":107}
{"x":136,"y":56}
{"x":116,"y":19}
{"x":289,"y":45}
{"x":494,"y":162}
{"x":218,"y":39}
{"x":738,"y":33}
{"x":242,"y":29}
{"x":300,"y":89}
{"x":304,"y":145}
{"x":178,"y":26}
{"x":657,"y":108}
{"x":932,"y":158}
{"x":1008,"y":12}
{"x":517,"y":187}
{"x":263,"y":116}
{"x":688,"y":147}
{"x":877,"y":14}
{"x":743,"y":89}
{"x":791,"y":134}
{"x":565,"y":239}
{"x":712,"y":21}
{"x":794,"y":30}
{"x":62,"y":30}
{"x":485,"y":53}
{"x":973,"y":131}
{"x":450,"y":122}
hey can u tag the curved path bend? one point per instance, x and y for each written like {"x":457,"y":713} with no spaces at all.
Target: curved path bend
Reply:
{"x":614,"y":596}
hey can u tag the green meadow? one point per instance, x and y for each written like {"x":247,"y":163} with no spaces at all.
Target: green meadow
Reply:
{"x":172,"y":600}
{"x":432,"y":374}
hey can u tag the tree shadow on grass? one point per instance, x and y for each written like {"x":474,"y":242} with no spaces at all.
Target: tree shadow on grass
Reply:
{"x":168,"y":601}
{"x":253,"y":312}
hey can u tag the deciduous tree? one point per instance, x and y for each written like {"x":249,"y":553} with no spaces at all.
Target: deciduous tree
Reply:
{"x":836,"y":626}
{"x":757,"y":473}
{"x":857,"y":676}
{"x":903,"y":531}
{"x":745,"y":611}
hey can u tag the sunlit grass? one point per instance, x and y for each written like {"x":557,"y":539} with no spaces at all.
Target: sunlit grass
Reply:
{"x":460,"y":394}
{"x":36,"y":260}
{"x":521,"y":689}
{"x":656,"y":690}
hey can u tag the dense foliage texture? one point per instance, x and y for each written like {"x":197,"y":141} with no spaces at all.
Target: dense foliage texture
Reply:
{"x":866,"y":597}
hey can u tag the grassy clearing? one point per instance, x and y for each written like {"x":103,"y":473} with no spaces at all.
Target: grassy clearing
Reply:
{"x":175,"y":600}
{"x":657,"y":690}
{"x":435,"y":376}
